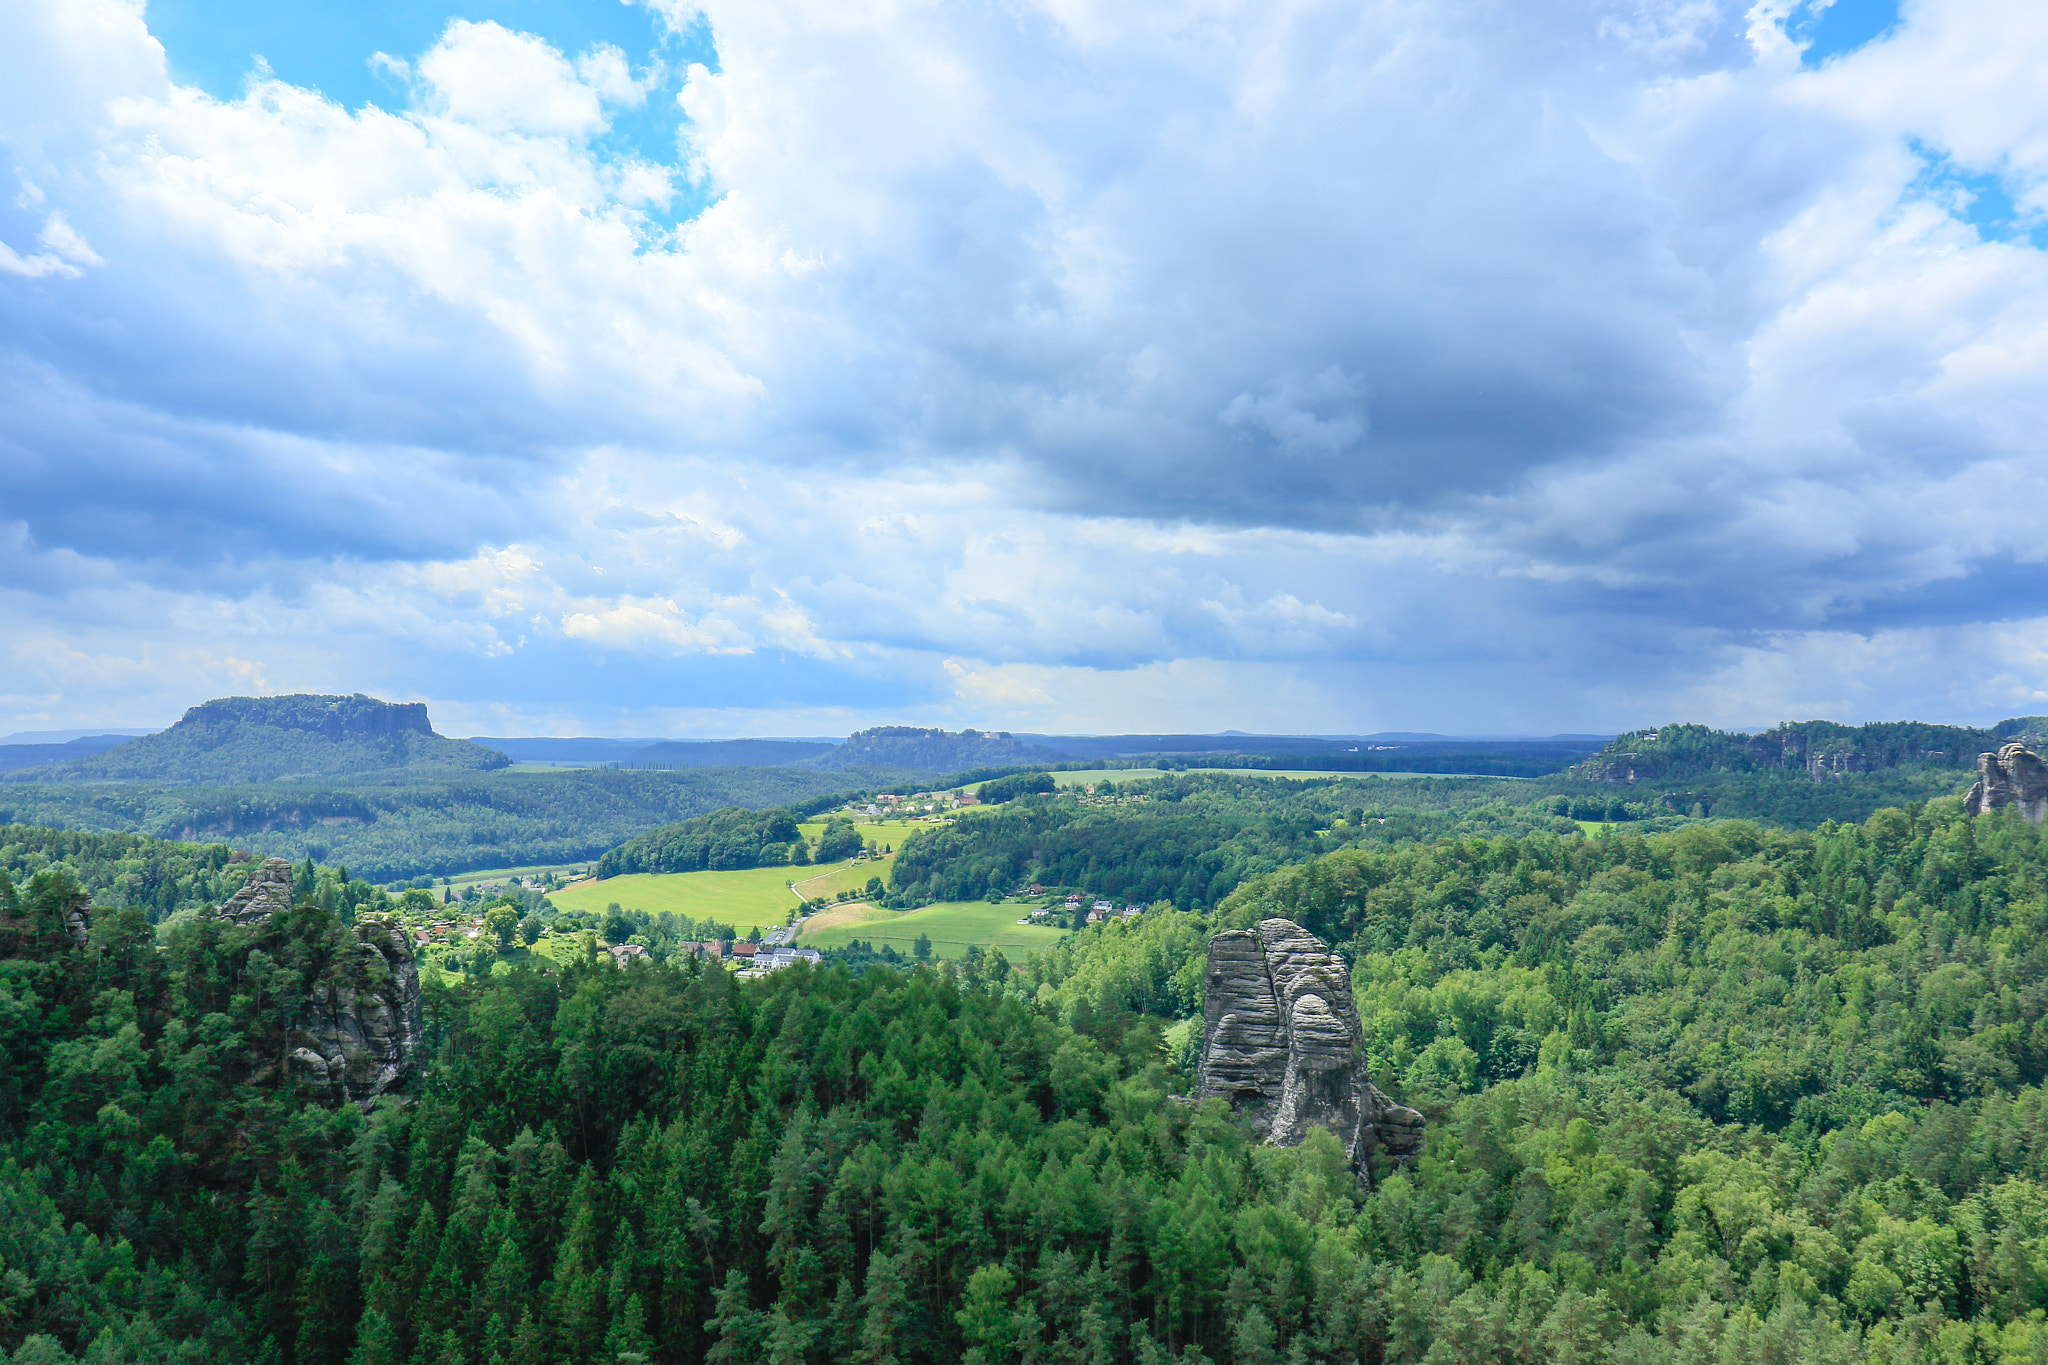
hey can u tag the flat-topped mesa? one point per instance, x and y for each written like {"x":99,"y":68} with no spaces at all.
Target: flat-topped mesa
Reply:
{"x":1282,"y":1042}
{"x":2014,"y":776}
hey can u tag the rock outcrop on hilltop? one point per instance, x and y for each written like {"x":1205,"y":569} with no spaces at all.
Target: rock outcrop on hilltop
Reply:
{"x":357,"y":1039}
{"x":268,"y":890}
{"x":360,"y":1029}
{"x":2014,"y":776}
{"x":1282,"y":1042}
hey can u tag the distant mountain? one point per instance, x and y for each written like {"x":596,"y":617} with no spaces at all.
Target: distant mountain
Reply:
{"x":20,"y":755}
{"x":1821,"y":749}
{"x":931,"y":751}
{"x":1559,"y":748}
{"x":727,"y":753}
{"x":575,"y":749}
{"x":112,"y":734}
{"x":265,"y":739}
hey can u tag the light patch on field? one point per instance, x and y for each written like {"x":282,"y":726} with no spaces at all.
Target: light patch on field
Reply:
{"x":952,"y":927}
{"x":851,"y":912}
{"x":846,"y":876}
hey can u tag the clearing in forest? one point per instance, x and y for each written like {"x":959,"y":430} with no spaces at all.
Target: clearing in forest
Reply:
{"x":952,"y":927}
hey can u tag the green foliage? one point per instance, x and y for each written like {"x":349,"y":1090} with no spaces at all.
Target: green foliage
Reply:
{"x":1721,"y":1092}
{"x":125,"y":869}
{"x":403,"y":828}
{"x":1189,"y":840}
{"x":1819,"y":749}
{"x":721,"y":841}
{"x":1149,"y":965}
{"x":1020,"y":784}
{"x":839,"y":839}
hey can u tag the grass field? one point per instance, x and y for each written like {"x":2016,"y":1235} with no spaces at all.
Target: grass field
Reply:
{"x":890,"y":832}
{"x":952,"y":927}
{"x":839,"y":916}
{"x":849,"y":876}
{"x":502,"y":874}
{"x":746,"y":899}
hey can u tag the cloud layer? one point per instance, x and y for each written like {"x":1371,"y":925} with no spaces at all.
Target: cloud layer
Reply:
{"x":1336,"y":366}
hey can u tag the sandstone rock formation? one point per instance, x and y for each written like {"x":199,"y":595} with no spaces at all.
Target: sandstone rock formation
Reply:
{"x":2014,"y":776}
{"x":268,"y":890}
{"x":1282,"y":1041}
{"x":360,"y":1028}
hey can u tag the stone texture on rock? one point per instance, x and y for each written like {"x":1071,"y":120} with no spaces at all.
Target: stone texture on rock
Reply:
{"x":361,"y":1027}
{"x":1282,"y":1043}
{"x":2014,"y":776}
{"x":268,"y":890}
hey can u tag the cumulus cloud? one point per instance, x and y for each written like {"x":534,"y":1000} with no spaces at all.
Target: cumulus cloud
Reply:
{"x":1469,"y":365}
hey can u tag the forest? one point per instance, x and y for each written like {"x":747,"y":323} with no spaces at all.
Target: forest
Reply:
{"x":412,"y":826}
{"x":1717,"y":1093}
{"x":729,"y":838}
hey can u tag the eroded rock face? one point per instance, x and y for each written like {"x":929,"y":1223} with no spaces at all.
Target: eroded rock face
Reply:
{"x":360,"y":1029}
{"x":1282,"y":1042}
{"x":268,"y":890}
{"x":2014,"y":776}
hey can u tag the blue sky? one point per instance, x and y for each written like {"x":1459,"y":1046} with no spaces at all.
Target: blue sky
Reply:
{"x":788,"y":367}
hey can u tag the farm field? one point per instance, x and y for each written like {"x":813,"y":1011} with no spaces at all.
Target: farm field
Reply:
{"x":848,"y":876}
{"x":838,"y":916}
{"x":890,"y":832}
{"x":951,"y":926}
{"x":502,"y":874}
{"x":754,"y":897}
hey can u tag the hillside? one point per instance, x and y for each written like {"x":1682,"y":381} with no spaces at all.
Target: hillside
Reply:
{"x":729,"y":753}
{"x":15,"y":756}
{"x":1718,"y":1094}
{"x":1820,"y":749}
{"x":433,"y":823}
{"x":268,"y":739}
{"x":931,"y":751}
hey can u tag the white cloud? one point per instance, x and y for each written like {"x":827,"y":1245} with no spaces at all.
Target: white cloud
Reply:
{"x":1441,"y":365}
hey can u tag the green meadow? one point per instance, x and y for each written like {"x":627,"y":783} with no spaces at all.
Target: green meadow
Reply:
{"x":952,"y":928}
{"x":847,"y":876}
{"x":754,"y":897}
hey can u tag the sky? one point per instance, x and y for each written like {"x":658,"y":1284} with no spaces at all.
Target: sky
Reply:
{"x":785,"y":367}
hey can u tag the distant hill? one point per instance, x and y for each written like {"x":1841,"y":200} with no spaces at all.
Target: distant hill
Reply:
{"x":1821,"y":749}
{"x":19,"y":755}
{"x":1349,"y":750}
{"x":265,"y":739}
{"x":727,"y":753}
{"x":931,"y":751}
{"x":553,"y":749}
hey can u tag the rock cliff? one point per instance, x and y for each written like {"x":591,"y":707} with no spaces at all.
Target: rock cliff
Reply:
{"x":2014,"y":776}
{"x":361,"y":1026}
{"x":1282,"y":1042}
{"x":360,"y":1029}
{"x":268,"y":890}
